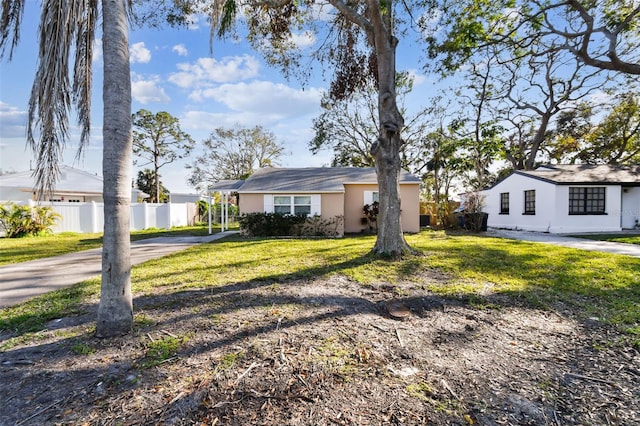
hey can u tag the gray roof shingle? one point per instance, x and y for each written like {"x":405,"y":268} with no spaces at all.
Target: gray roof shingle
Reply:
{"x":313,"y":179}
{"x":586,"y":174}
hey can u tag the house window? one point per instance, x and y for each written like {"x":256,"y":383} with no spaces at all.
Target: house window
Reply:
{"x":530,"y":201}
{"x":296,"y":204}
{"x":587,"y":200}
{"x":371,"y":197}
{"x":504,"y":203}
{"x":302,"y":205}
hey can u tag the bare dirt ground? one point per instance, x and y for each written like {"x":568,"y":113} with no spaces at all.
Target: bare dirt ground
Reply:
{"x":324,"y":352}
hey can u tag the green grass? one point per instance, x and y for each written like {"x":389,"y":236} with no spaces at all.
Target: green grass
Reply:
{"x":470,"y":268}
{"x":15,"y":250}
{"x":616,"y":238}
{"x":162,"y":350}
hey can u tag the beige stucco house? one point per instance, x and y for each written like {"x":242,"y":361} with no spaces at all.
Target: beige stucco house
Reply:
{"x":324,"y":191}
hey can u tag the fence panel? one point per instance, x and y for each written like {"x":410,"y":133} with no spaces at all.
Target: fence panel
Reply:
{"x":89,"y":217}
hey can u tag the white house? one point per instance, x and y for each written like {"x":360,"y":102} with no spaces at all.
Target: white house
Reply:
{"x":566,"y":199}
{"x":73,"y":186}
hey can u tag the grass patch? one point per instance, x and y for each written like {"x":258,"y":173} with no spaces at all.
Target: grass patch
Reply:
{"x":82,"y":349}
{"x":16,"y":250}
{"x":34,"y":314}
{"x":162,"y":350}
{"x":470,"y":267}
{"x":614,"y":238}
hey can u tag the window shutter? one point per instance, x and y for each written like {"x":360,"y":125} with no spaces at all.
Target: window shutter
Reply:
{"x":268,"y":203}
{"x":368,"y":197}
{"x":316,"y":204}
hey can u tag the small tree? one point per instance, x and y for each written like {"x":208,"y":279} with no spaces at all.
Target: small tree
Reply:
{"x":158,"y":140}
{"x":21,"y":221}
{"x":234,"y":154}
{"x":147,"y":181}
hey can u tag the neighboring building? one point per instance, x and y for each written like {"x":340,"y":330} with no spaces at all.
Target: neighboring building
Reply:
{"x":185,"y":198}
{"x":566,"y":199}
{"x":324,"y":191}
{"x":73,"y":186}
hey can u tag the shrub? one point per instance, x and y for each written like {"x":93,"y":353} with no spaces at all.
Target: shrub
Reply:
{"x":21,"y":221}
{"x":203,"y":210}
{"x":370,"y":219}
{"x":269,"y":224}
{"x":286,"y":225}
{"x":317,"y":226}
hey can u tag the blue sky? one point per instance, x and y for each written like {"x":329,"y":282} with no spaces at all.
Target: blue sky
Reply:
{"x":174,"y":70}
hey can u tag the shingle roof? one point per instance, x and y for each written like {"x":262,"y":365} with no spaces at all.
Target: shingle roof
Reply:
{"x":227,"y":185}
{"x":71,"y":180}
{"x":313,"y":179}
{"x":585,"y":174}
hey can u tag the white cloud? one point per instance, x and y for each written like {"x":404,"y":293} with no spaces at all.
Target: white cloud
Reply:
{"x":139,"y":53}
{"x":147,"y":90}
{"x":303,"y":40}
{"x":206,"y":71}
{"x":180,"y":49}
{"x":416,"y":76}
{"x":13,"y":122}
{"x":97,"y":50}
{"x":264,"y":97}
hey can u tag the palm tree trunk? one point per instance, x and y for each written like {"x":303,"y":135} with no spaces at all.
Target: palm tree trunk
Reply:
{"x":115,"y":313}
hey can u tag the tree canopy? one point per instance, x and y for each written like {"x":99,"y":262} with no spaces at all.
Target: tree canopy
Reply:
{"x":234,"y":153}
{"x":158,"y":140}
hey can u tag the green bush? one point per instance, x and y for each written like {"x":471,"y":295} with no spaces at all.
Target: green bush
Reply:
{"x":203,"y":210}
{"x":286,"y":225}
{"x":317,"y":226}
{"x":269,"y":224}
{"x":21,"y":221}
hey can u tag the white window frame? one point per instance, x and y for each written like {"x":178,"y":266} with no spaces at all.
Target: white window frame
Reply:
{"x":314,"y":204}
{"x":371,"y":197}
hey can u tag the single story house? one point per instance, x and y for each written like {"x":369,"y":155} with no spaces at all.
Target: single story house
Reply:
{"x":324,"y":191}
{"x":73,"y":186}
{"x":566,"y":199}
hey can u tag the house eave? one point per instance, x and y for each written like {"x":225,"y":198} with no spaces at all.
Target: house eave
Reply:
{"x":276,"y":191}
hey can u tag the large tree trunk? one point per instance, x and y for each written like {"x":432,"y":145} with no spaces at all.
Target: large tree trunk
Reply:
{"x":386,"y":150}
{"x":115,"y":313}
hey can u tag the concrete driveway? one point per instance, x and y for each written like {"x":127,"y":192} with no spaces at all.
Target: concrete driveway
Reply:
{"x":561,"y":240}
{"x":22,"y":281}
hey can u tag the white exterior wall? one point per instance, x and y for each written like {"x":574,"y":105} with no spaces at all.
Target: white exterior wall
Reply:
{"x":515,"y":185}
{"x":630,"y":207}
{"x":566,"y":223}
{"x":14,"y":194}
{"x":552,"y":207}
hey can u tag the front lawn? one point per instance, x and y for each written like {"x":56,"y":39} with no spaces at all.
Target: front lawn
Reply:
{"x":300,"y":331}
{"x":15,"y":250}
{"x":616,"y":238}
{"x":470,"y":267}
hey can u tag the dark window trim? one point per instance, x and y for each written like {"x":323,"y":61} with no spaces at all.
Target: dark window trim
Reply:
{"x":583,"y":200}
{"x":529,"y":203}
{"x":504,"y":203}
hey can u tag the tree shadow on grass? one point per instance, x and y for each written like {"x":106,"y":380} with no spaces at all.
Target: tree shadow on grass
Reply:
{"x":183,"y":307}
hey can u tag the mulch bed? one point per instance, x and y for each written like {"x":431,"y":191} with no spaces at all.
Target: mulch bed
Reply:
{"x":325,"y":352}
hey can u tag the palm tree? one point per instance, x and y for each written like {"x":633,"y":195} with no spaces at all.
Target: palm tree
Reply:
{"x":65,"y":27}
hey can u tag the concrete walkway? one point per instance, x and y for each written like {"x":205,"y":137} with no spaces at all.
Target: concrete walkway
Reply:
{"x":561,"y":240}
{"x":22,"y":281}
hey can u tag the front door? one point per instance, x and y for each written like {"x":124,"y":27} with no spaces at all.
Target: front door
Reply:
{"x":630,"y":207}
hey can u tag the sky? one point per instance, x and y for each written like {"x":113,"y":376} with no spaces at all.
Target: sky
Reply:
{"x":175,"y":70}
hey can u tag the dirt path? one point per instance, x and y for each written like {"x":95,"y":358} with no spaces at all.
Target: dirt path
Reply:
{"x":325,"y":352}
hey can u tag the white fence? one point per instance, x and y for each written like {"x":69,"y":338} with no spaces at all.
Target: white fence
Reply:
{"x":89,"y":217}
